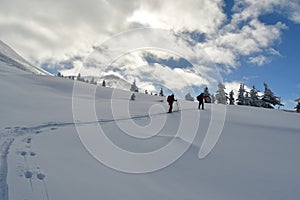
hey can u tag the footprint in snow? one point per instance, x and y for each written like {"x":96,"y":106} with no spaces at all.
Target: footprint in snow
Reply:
{"x":28,"y":174}
{"x":32,"y":154}
{"x":28,"y":140}
{"x":41,"y":176}
{"x":23,"y":153}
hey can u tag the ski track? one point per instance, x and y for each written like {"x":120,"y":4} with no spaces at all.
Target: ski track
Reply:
{"x":50,"y":126}
{"x":5,"y":145}
{"x":10,"y":133}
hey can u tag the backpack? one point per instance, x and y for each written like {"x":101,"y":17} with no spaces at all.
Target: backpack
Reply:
{"x":199,"y":97}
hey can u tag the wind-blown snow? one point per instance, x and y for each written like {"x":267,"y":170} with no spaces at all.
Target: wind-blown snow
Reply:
{"x":8,"y":55}
{"x":42,"y":157}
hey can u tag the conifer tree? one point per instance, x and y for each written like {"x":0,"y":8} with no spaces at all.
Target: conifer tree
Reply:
{"x":213,"y":99}
{"x":161,"y":93}
{"x":103,"y":83}
{"x":78,"y":77}
{"x":231,"y":98}
{"x":241,"y":95}
{"x":93,"y":81}
{"x":254,"y":99}
{"x":247,"y":99}
{"x":221,"y":95}
{"x":132,"y":97}
{"x":269,"y":99}
{"x":189,"y":97}
{"x":134,"y":88}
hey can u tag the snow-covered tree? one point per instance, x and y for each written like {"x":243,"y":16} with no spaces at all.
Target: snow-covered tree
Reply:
{"x":221,"y":95}
{"x":213,"y":99}
{"x":132,"y":97}
{"x":189,"y":97}
{"x":254,"y":99}
{"x":93,"y":81}
{"x":269,"y":99}
{"x":247,"y":99}
{"x":207,"y":94}
{"x":103,"y":83}
{"x":231,"y":98}
{"x":134,"y":88}
{"x":241,"y":95}
{"x":78,"y":77}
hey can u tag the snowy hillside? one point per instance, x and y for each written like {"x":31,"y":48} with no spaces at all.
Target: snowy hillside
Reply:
{"x":51,"y":145}
{"x":9,"y":56}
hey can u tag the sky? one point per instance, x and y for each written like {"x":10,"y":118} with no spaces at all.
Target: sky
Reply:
{"x":241,"y":41}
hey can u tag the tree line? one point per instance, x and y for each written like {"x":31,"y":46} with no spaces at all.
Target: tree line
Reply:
{"x":253,"y":97}
{"x":244,"y":97}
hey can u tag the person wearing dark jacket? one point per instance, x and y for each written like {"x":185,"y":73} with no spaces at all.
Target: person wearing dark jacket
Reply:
{"x":201,"y":98}
{"x":170,"y":100}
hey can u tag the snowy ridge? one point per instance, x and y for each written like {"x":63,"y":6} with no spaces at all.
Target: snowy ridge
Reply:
{"x":114,"y":81}
{"x":9,"y":56}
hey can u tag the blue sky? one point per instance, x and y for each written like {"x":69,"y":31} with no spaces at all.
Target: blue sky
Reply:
{"x":251,"y":41}
{"x":283,"y":72}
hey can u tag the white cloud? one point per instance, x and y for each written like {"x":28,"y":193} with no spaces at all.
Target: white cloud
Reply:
{"x":247,"y":78}
{"x":40,"y":29}
{"x":47,"y":31}
{"x":222,"y":55}
{"x":292,"y":10}
{"x":249,"y":9}
{"x":203,"y":15}
{"x":259,"y":60}
{"x":252,"y":38}
{"x":133,"y":66}
{"x":295,"y":16}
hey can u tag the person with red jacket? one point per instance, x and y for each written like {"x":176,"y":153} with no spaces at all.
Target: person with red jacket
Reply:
{"x":201,"y":98}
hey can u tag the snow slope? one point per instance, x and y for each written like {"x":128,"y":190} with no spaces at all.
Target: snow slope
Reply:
{"x":9,"y":56}
{"x":42,"y":156}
